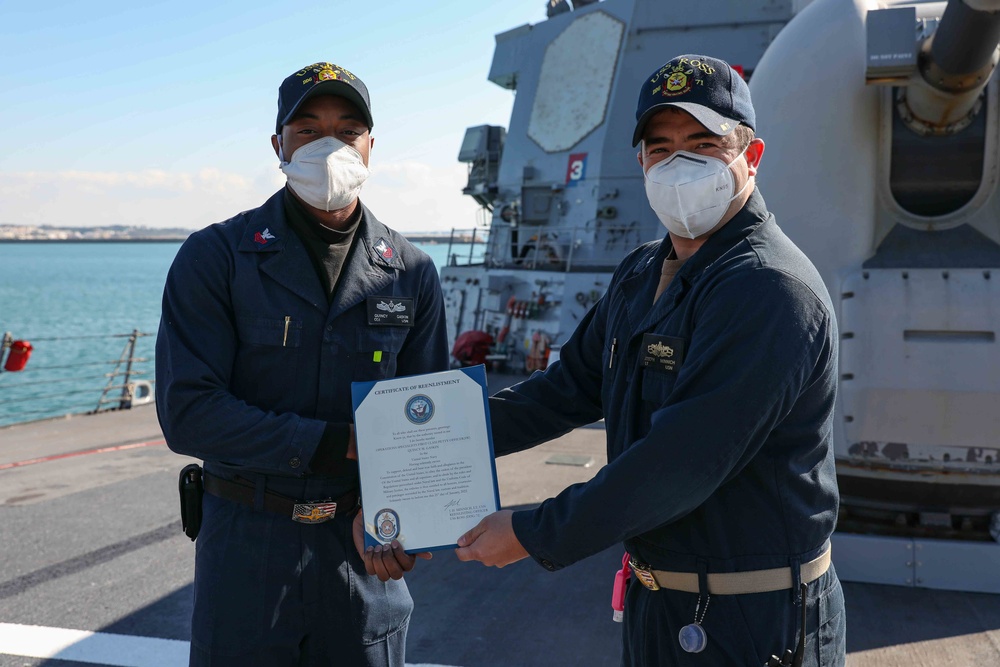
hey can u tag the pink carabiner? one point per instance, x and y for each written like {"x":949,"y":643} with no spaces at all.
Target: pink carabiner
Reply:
{"x":618,"y":594}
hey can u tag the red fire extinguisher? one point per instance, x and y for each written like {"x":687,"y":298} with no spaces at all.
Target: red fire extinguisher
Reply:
{"x":20,"y":350}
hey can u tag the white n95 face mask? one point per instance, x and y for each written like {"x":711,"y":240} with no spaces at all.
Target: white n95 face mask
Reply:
{"x":690,"y":193}
{"x":326,"y":173}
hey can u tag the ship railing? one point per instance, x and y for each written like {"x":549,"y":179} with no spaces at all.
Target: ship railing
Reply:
{"x":541,"y":246}
{"x":74,"y":375}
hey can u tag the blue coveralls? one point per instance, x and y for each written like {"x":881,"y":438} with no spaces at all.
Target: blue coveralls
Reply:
{"x":724,"y":464}
{"x":250,"y":400}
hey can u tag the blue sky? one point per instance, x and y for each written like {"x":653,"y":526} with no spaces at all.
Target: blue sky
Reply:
{"x":160,"y":113}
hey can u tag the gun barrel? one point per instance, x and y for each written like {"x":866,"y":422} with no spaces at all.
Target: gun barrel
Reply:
{"x":962,"y":48}
{"x":956,"y":63}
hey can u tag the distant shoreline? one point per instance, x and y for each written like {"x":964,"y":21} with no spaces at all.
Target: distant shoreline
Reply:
{"x":415,"y":238}
{"x":177,"y":239}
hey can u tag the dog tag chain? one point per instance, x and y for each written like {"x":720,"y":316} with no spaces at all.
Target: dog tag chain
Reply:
{"x":693,"y":637}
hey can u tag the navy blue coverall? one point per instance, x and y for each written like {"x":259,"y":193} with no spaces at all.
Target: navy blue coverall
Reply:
{"x":251,"y":396}
{"x":723,"y":464}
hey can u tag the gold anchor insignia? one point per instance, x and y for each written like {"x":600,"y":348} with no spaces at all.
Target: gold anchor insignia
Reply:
{"x":660,"y":350}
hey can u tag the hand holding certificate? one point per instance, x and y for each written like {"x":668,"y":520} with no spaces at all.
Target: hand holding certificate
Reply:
{"x":425,"y":454}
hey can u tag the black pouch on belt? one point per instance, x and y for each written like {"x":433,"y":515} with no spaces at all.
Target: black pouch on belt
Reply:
{"x":191,"y":489}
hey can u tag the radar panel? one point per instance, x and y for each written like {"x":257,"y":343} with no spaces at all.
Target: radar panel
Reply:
{"x":575,"y":82}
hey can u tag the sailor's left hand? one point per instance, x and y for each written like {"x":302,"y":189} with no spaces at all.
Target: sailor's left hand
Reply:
{"x":492,"y":542}
{"x":386,"y":561}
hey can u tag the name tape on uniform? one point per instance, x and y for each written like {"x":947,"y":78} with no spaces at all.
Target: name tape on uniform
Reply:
{"x":662,"y":353}
{"x":390,"y":311}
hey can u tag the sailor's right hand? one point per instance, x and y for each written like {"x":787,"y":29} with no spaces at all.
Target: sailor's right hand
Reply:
{"x":386,"y":561}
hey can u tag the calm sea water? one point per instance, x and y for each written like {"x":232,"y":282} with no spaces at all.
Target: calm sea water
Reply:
{"x":70,"y":300}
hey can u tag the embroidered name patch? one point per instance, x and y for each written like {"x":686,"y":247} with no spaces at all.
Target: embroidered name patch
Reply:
{"x":662,"y":353}
{"x":390,"y":311}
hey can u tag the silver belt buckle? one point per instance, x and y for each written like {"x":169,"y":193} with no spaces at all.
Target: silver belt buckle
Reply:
{"x":644,"y":574}
{"x":316,"y":511}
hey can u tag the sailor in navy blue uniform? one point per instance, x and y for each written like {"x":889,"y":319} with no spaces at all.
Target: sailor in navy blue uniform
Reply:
{"x":712,"y":359}
{"x":267,"y":319}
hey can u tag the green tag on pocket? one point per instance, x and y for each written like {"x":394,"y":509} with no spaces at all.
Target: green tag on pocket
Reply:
{"x":377,"y":357}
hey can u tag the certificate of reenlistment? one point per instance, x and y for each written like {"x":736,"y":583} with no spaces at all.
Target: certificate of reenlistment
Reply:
{"x":425,"y":452}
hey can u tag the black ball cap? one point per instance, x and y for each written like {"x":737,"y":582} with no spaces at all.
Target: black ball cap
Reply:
{"x":321,"y":79}
{"x":707,"y":88}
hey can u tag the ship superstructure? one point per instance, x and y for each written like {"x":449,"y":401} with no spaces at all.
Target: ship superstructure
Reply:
{"x":561,"y":188}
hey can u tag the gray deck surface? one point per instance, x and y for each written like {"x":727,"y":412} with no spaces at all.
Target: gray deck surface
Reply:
{"x":93,"y":542}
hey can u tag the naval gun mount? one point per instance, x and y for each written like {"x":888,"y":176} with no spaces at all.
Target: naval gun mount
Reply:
{"x":889,"y":183}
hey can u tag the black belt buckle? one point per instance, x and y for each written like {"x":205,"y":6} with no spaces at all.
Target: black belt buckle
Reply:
{"x":315,"y":511}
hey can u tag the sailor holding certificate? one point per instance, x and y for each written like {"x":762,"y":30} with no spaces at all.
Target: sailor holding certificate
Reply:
{"x":713,"y":361}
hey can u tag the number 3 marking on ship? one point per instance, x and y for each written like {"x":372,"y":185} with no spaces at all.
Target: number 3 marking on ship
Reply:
{"x":576,"y":169}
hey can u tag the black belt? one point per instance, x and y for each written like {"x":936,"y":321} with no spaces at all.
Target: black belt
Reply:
{"x":307,"y":511}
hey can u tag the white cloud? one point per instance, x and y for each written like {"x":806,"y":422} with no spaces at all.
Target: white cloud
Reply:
{"x":412,"y":196}
{"x":409,"y":196}
{"x":153,"y":198}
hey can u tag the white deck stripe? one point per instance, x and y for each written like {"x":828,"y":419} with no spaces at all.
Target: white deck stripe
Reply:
{"x":98,"y":648}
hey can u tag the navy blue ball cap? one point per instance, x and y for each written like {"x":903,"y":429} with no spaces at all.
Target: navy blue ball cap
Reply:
{"x":707,"y":88}
{"x":321,"y":79}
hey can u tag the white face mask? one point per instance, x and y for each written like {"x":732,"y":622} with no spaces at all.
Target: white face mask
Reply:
{"x":690,"y":193}
{"x":326,"y":173}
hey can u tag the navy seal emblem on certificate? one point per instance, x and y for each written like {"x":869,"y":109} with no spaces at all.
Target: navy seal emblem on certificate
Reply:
{"x":419,"y":409}
{"x":425,"y":457}
{"x":387,"y":525}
